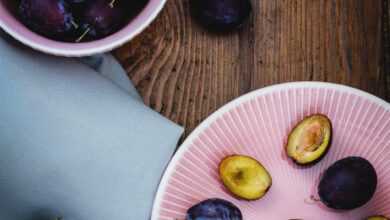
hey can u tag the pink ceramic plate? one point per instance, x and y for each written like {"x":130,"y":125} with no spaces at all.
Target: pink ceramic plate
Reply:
{"x":257,"y":124}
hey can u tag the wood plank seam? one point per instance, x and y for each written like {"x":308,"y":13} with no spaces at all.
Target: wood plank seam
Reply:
{"x":386,"y":44}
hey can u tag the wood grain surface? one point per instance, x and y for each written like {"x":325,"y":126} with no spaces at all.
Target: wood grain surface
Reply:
{"x":386,"y":41}
{"x":186,"y":73}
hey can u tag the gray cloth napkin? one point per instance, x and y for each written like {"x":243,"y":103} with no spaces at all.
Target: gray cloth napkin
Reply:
{"x":75,"y":143}
{"x":107,"y":66}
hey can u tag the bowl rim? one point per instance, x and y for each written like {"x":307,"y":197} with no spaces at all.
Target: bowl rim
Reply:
{"x":90,"y":48}
{"x":233,"y":104}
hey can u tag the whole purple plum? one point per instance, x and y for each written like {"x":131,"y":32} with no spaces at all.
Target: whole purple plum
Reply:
{"x":102,"y":18}
{"x":50,"y":18}
{"x":214,"y":209}
{"x":221,"y":15}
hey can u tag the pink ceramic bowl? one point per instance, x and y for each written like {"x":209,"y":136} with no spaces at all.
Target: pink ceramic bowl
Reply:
{"x":12,"y":26}
{"x":257,"y":125}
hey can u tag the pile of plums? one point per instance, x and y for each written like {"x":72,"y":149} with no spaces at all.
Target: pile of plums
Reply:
{"x":347,"y":184}
{"x":77,"y":20}
{"x":87,"y":20}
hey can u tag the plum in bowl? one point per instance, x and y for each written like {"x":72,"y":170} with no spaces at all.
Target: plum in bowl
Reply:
{"x":76,"y":27}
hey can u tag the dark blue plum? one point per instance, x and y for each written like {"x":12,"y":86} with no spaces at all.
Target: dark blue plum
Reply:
{"x":214,"y":209}
{"x":348,"y":184}
{"x":77,"y":6}
{"x":221,"y":15}
{"x":50,"y":18}
{"x":102,"y":18}
{"x":76,"y":1}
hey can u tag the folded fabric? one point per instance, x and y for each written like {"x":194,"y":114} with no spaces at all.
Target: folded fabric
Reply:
{"x":73,"y":144}
{"x":107,"y":66}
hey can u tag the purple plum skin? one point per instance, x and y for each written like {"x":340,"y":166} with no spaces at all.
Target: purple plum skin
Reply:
{"x":221,"y":15}
{"x":77,"y":20}
{"x":101,"y":19}
{"x":50,"y":18}
{"x":348,"y":184}
{"x":214,"y":209}
{"x":75,"y":1}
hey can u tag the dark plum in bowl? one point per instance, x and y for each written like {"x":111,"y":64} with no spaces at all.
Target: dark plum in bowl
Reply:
{"x":50,"y":18}
{"x":348,"y":184}
{"x":214,"y":209}
{"x":101,"y":18}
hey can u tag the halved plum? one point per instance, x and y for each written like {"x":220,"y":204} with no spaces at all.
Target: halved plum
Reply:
{"x":310,"y":140}
{"x":245,"y":177}
{"x":377,"y":217}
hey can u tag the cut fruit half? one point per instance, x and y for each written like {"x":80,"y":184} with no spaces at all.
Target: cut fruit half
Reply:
{"x":377,"y":217}
{"x":245,"y":177}
{"x":310,"y":140}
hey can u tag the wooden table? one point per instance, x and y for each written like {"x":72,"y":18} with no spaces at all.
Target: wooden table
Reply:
{"x":186,"y":73}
